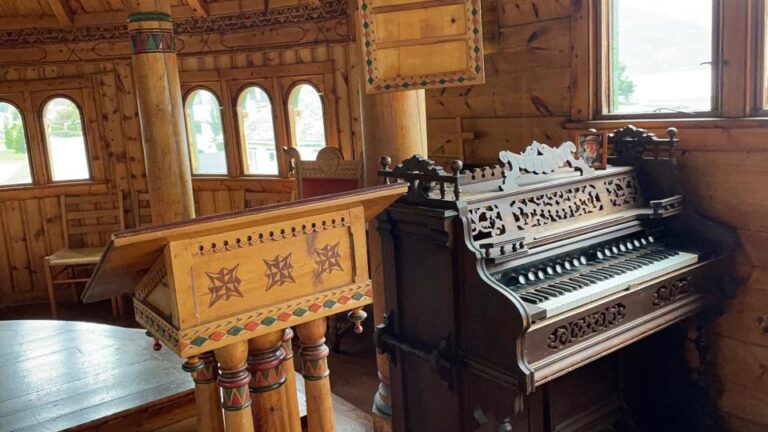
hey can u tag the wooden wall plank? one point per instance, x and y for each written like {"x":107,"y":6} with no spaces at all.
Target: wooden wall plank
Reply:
{"x":516,"y":12}
{"x":16,"y":242}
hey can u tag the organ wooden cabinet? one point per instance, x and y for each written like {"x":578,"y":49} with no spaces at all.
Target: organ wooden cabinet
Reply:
{"x":233,"y":283}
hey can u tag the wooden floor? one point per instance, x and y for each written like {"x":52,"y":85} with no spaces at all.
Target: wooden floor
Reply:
{"x":83,"y":376}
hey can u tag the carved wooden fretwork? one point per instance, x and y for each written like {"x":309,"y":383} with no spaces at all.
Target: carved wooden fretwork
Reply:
{"x":539,"y":158}
{"x":555,"y":206}
{"x":622,"y":191}
{"x":486,"y":222}
{"x":666,"y":294}
{"x":423,"y":176}
{"x":285,"y":233}
{"x":630,"y":143}
{"x":579,"y":329}
{"x":243,"y":21}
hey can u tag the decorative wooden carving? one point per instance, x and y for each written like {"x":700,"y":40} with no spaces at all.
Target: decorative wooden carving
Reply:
{"x":555,"y":206}
{"x":630,"y":143}
{"x":224,"y":284}
{"x":294,"y":14}
{"x":622,"y":191}
{"x":579,"y":329}
{"x":666,"y":294}
{"x":420,"y":44}
{"x":238,"y":276}
{"x":422,"y":176}
{"x":486,"y":222}
{"x":539,"y":158}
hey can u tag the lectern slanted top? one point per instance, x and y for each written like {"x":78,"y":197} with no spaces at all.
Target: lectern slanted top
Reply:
{"x":211,"y":281}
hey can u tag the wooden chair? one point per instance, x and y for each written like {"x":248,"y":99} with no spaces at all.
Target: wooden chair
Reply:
{"x":142,"y":213}
{"x":329,"y":173}
{"x":87,"y":223}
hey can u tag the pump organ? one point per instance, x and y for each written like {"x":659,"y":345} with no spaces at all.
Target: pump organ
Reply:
{"x":502,"y":279}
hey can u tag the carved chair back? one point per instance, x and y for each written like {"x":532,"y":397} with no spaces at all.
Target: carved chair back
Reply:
{"x":328,"y":174}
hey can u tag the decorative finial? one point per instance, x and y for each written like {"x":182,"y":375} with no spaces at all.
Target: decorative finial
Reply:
{"x":385,"y":162}
{"x":456,"y":166}
{"x":156,"y":346}
{"x":672,"y":132}
{"x":357,"y":316}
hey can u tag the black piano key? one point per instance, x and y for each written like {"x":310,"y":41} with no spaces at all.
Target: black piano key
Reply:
{"x":559,"y":290}
{"x":582,"y":280}
{"x":599,"y":276}
{"x":548,"y":291}
{"x":529,"y":299}
{"x":536,"y":296}
{"x":570,"y":285}
{"x":563,"y":286}
{"x":591,"y":277}
{"x":608,"y":272}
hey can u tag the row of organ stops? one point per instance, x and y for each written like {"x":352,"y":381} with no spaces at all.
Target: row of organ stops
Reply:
{"x":566,"y":264}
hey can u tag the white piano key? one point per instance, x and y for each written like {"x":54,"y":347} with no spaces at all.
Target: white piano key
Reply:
{"x":560,"y":304}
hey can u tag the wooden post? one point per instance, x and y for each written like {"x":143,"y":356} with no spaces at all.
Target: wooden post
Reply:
{"x":204,"y":371}
{"x":161,"y":112}
{"x":314,"y":368}
{"x":233,"y":380}
{"x":265,"y":363}
{"x":291,"y":394}
{"x":395,"y":125}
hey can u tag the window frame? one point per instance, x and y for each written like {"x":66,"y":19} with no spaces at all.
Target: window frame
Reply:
{"x":30,"y":155}
{"x":288,"y":118}
{"x":759,"y":103}
{"x":227,"y":146}
{"x":46,"y":146}
{"x":602,"y":78}
{"x":242,"y":86}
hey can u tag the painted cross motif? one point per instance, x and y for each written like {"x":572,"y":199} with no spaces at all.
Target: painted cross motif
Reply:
{"x":279,"y":271}
{"x":224,"y":284}
{"x":328,"y":259}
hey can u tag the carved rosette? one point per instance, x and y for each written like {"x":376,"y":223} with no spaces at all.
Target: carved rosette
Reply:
{"x":579,"y":329}
{"x":486,"y":222}
{"x":234,"y":389}
{"x":266,"y":370}
{"x":666,"y":294}
{"x":555,"y":206}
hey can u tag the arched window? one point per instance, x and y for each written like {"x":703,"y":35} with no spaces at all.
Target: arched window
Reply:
{"x":14,"y":157}
{"x":305,"y":115}
{"x":257,"y":131}
{"x":67,"y":153}
{"x":205,"y":133}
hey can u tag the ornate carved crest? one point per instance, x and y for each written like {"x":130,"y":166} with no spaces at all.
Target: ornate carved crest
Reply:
{"x":539,"y":158}
{"x":631,"y":143}
{"x":423,"y":176}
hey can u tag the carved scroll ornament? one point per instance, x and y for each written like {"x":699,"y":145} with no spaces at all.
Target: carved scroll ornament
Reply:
{"x":539,"y":159}
{"x":578,"y":329}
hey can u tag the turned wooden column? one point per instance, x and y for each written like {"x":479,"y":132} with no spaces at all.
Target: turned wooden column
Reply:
{"x":395,"y":125}
{"x":291,"y":393}
{"x":314,"y":367}
{"x":161,"y":111}
{"x":233,"y":380}
{"x":204,"y":371}
{"x":265,"y":363}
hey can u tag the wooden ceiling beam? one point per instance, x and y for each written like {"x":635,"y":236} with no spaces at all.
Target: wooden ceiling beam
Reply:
{"x":200,"y":7}
{"x":63,"y":12}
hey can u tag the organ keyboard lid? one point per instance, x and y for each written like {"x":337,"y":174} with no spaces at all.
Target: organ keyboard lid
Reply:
{"x":207,"y":282}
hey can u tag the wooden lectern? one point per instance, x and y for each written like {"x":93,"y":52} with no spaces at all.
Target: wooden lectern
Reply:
{"x":223,"y":291}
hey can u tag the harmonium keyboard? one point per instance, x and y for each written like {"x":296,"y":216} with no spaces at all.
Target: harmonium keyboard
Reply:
{"x":501,"y":279}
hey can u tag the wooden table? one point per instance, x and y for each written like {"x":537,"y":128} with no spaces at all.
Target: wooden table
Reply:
{"x":74,"y":375}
